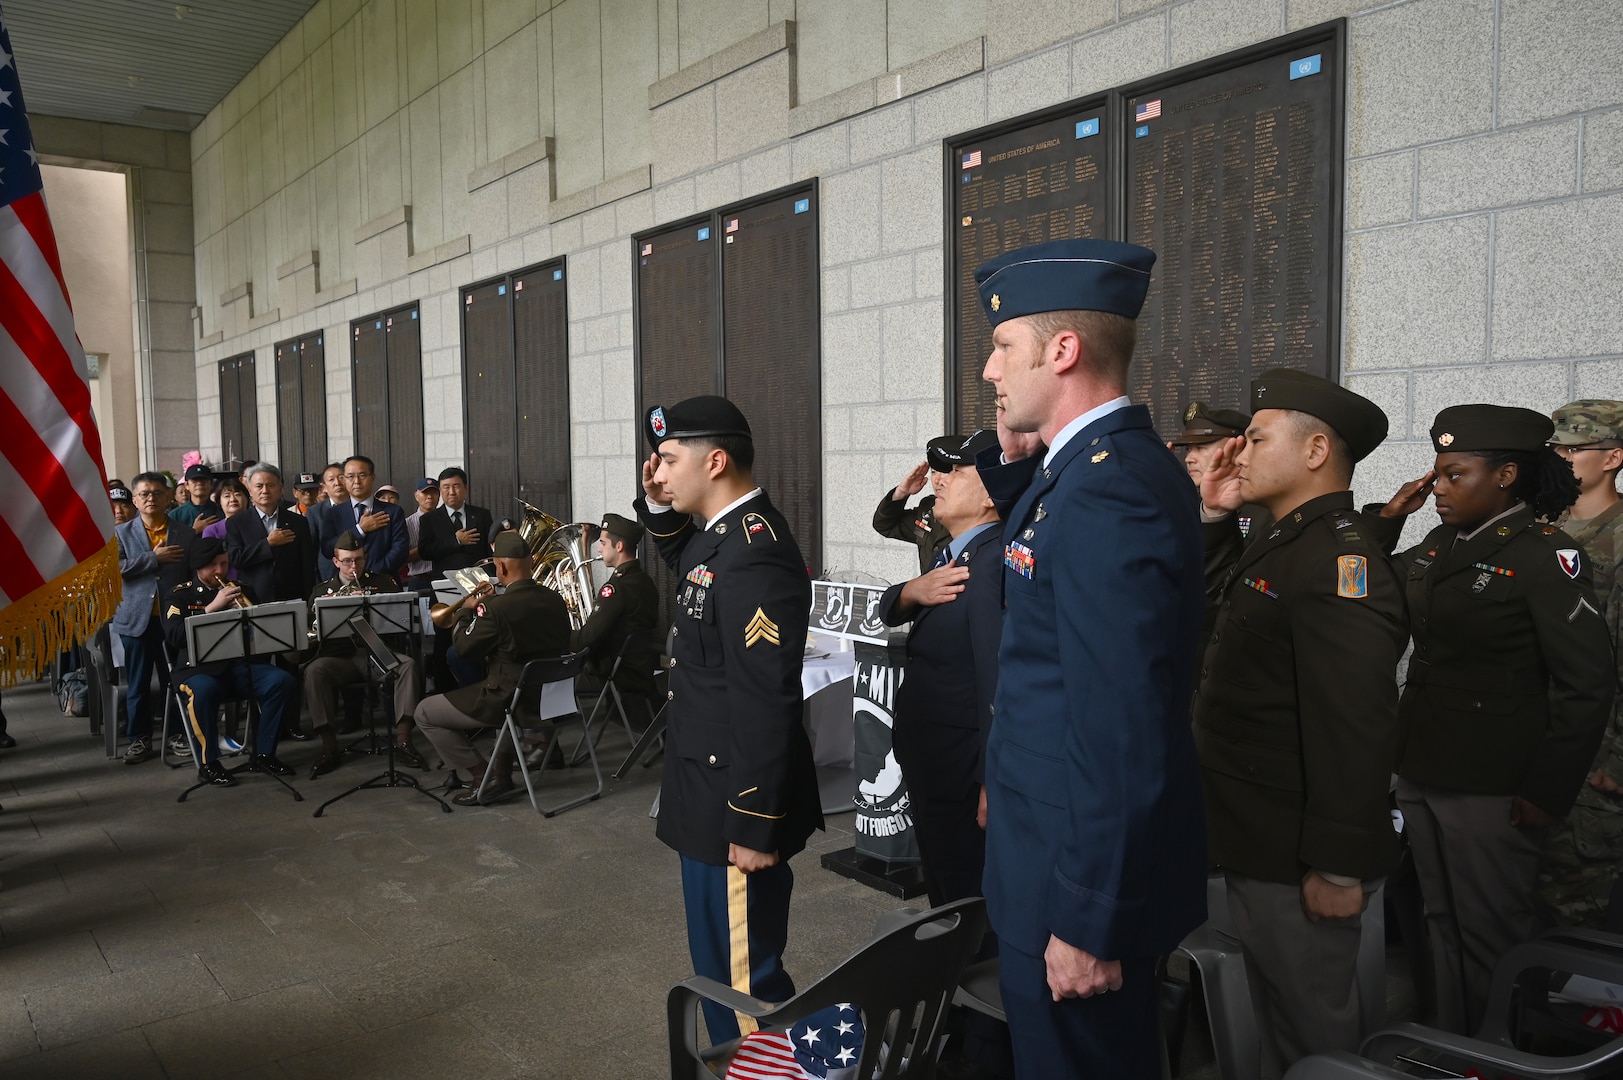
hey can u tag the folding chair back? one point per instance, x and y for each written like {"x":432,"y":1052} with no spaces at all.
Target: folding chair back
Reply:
{"x":901,"y":982}
{"x":529,"y":702}
{"x":546,"y":691}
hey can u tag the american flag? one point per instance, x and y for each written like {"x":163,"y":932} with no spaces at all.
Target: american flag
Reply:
{"x":1149,"y":110}
{"x":732,"y":225}
{"x":824,"y":1046}
{"x":972,"y":160}
{"x":648,"y":249}
{"x":59,"y":576}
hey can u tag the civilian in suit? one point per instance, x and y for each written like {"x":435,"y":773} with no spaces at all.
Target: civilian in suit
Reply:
{"x":269,"y":544}
{"x":1096,"y":839}
{"x":944,"y":704}
{"x":152,"y":550}
{"x":458,"y":534}
{"x":381,"y":526}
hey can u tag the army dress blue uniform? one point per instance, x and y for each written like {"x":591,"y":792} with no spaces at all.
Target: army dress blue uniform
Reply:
{"x":738,"y":764}
{"x":1095,"y":829}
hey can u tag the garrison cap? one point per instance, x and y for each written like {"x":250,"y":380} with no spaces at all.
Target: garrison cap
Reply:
{"x":1461,"y":428}
{"x":119,"y":494}
{"x":1203,"y":424}
{"x":623,"y":527}
{"x":1359,"y":421}
{"x":509,"y":545}
{"x":198,"y":472}
{"x":962,"y":451}
{"x":1065,"y":275}
{"x":938,"y":450}
{"x":1583,"y":423}
{"x":694,"y":418}
{"x":347,"y":541}
{"x":307,"y":481}
{"x":206,"y":551}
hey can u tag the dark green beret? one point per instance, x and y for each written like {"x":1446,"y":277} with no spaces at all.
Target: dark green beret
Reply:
{"x":623,"y":527}
{"x":509,"y":545}
{"x":1462,"y":428}
{"x":1359,"y":421}
{"x":694,"y":418}
{"x":1203,"y":424}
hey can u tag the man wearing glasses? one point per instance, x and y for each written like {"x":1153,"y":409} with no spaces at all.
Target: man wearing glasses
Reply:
{"x":152,"y":551}
{"x":1583,"y":853}
{"x":380,"y":525}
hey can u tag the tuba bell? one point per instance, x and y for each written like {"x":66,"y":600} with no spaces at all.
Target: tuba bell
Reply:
{"x":561,"y":559}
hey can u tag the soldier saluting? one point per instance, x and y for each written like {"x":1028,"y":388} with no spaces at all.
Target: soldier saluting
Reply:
{"x":739,"y":793}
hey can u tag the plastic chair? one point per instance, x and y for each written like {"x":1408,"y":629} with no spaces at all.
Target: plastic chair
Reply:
{"x":901,"y":982}
{"x":1344,"y":1066}
{"x":1520,"y":992}
{"x":545,"y":691}
{"x":1213,"y":950}
{"x":635,"y":649}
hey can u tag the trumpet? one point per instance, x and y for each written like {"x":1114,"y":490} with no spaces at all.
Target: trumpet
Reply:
{"x":444,"y":615}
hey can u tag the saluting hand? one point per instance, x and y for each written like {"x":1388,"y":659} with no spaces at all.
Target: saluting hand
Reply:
{"x":1411,"y":496}
{"x":655,"y":492}
{"x":1017,"y":444}
{"x":1220,"y":483}
{"x":940,"y":586}
{"x":912,"y":483}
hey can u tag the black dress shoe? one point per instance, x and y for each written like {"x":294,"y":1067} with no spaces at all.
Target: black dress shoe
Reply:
{"x":297,"y":734}
{"x":7,"y":742}
{"x":270,"y":764}
{"x":215,"y":774}
{"x":326,"y":764}
{"x":409,"y":757}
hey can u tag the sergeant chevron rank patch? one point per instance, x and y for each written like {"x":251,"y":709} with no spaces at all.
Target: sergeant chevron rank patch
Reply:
{"x":760,"y":628}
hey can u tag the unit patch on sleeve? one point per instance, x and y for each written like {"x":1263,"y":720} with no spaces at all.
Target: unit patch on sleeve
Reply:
{"x":1352,"y":576}
{"x":1568,"y":558}
{"x":605,"y":592}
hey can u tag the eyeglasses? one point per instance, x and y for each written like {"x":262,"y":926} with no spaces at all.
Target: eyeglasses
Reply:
{"x":148,"y":493}
{"x":356,"y":475}
{"x":1565,"y":450}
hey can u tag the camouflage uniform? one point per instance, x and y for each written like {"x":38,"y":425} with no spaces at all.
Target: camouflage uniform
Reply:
{"x":1583,"y":855}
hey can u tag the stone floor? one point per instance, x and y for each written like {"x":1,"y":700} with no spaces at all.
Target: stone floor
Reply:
{"x":236,"y":935}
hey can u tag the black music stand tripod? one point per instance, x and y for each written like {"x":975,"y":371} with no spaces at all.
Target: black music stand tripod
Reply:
{"x":388,"y":666}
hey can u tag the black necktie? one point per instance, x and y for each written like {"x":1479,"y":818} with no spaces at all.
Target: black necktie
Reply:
{"x":456,"y":520}
{"x":360,"y":512}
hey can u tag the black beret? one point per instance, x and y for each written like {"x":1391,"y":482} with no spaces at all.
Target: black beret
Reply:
{"x":1203,"y":424}
{"x":936,"y":451}
{"x":693,"y":418}
{"x":206,"y":551}
{"x":1065,"y":275}
{"x":1359,"y":421}
{"x":962,"y":451}
{"x":623,"y":527}
{"x":509,"y":545}
{"x":1460,"y":428}
{"x":347,"y":541}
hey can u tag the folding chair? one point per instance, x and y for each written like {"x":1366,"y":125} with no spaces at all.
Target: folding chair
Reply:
{"x":901,"y":983}
{"x":635,"y":649}
{"x":545,"y":691}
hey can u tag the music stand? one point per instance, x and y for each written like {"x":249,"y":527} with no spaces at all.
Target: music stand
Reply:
{"x":388,"y":613}
{"x":388,"y":665}
{"x":241,"y":634}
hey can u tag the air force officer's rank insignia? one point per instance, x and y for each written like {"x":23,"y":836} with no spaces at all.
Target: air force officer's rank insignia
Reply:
{"x":1352,"y":576}
{"x":760,"y":628}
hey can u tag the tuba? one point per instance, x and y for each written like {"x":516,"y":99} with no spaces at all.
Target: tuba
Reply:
{"x":561,"y":559}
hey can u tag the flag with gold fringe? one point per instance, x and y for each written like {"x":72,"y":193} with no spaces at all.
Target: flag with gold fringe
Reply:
{"x":59,"y":576}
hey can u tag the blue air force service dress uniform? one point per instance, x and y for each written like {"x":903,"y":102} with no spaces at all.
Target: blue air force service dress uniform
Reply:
{"x":1508,"y":693}
{"x":1296,"y":722}
{"x":1095,"y":833}
{"x":738,"y":764}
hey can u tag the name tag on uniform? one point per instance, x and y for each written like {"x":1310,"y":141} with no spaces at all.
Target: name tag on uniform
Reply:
{"x":1018,"y":557}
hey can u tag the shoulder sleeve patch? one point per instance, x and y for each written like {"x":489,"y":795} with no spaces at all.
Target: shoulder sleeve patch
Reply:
{"x":479,"y":611}
{"x":1569,"y":560}
{"x":1352,"y":576}
{"x":605,"y":592}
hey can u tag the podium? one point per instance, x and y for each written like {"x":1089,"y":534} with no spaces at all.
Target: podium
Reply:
{"x":241,"y":634}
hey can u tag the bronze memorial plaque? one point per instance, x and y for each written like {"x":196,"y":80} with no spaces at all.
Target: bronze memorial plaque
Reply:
{"x":1048,"y":180}
{"x":1233,"y":180}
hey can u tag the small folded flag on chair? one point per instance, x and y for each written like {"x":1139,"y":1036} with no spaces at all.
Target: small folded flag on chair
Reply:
{"x":824,"y":1046}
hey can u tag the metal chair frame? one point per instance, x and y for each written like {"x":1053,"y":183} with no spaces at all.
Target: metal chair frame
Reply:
{"x":537,"y":675}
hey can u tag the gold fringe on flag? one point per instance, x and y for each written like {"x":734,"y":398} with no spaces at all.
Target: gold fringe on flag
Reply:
{"x":58,"y":615}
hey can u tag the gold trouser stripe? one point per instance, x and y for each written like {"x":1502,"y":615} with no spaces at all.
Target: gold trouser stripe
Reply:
{"x":738,"y":926}
{"x":197,"y":727}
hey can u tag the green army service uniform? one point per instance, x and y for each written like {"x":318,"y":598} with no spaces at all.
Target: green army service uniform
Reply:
{"x":526,"y":622}
{"x":1509,"y":690}
{"x":917,"y":525}
{"x":339,"y":661}
{"x":626,"y":604}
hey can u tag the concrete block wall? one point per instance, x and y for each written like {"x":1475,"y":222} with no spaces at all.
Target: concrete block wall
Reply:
{"x":1484,"y":189}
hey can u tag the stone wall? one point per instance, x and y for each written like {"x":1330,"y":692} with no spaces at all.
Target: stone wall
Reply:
{"x":1484,"y":191}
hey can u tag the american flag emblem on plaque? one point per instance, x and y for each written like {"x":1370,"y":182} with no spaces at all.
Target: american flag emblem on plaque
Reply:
{"x":1149,"y":110}
{"x":972,"y":160}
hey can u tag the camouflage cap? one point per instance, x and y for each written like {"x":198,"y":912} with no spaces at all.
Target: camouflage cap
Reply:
{"x":1591,"y":420}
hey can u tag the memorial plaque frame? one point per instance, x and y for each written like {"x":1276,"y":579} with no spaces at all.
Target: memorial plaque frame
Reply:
{"x":1328,"y":40}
